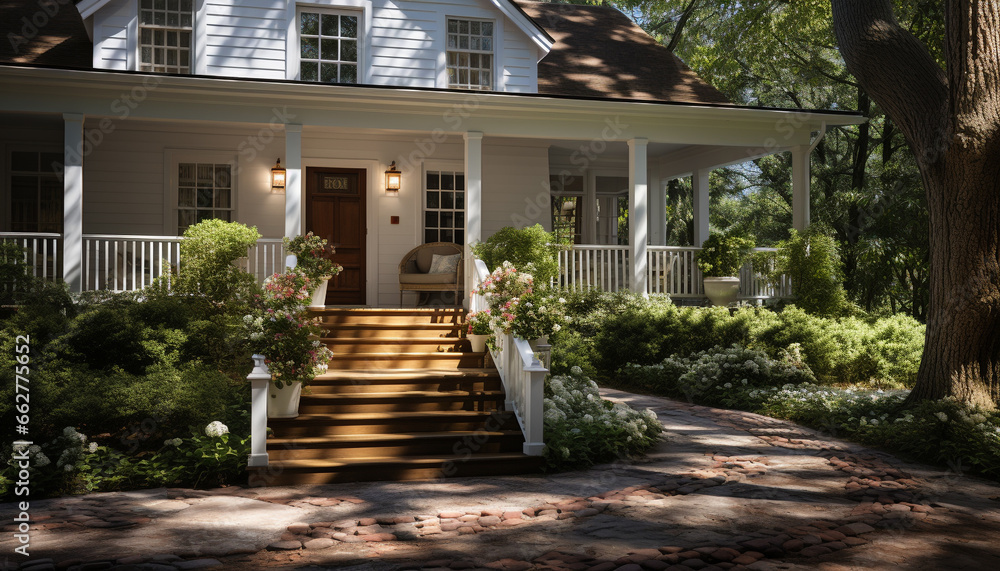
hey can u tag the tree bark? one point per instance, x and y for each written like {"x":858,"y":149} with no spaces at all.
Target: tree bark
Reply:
{"x":951,"y":123}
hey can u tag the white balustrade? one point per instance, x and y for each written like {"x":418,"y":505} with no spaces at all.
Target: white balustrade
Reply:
{"x":671,"y":270}
{"x":523,"y":375}
{"x":43,"y":252}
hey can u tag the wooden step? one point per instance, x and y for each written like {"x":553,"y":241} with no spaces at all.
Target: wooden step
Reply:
{"x":395,"y":445}
{"x":297,"y":472}
{"x":407,"y":360}
{"x":423,"y":330}
{"x":407,"y":401}
{"x":395,"y":380}
{"x":324,"y":424}
{"x":349,"y":346}
{"x":389,"y":316}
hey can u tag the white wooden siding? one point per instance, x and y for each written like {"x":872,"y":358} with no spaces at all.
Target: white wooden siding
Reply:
{"x":114,"y":36}
{"x":403,"y":41}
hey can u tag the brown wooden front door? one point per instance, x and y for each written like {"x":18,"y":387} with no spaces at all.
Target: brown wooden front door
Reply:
{"x":335,"y":210}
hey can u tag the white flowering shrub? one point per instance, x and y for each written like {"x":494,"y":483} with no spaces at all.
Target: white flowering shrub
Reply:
{"x":719,"y":376}
{"x":582,"y":429}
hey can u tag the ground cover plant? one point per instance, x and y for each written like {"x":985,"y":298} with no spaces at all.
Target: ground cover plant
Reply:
{"x":582,"y":429}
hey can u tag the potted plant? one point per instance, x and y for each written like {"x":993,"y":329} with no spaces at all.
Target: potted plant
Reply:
{"x":290,"y":342}
{"x":720,"y":260}
{"x":503,"y":290}
{"x":312,"y":259}
{"x":478,"y":331}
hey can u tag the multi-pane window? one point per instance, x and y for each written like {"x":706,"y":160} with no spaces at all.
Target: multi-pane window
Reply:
{"x":165,"y":35}
{"x":470,"y":54}
{"x":204,"y":190}
{"x":36,"y":193}
{"x":444,"y":207}
{"x":329,"y":47}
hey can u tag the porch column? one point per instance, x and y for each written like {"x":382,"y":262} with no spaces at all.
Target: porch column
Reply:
{"x":637,"y":213}
{"x":73,"y":202}
{"x":588,"y":210}
{"x":657,"y":211}
{"x":699,"y":187}
{"x":473,"y":202}
{"x":800,"y":187}
{"x":293,"y":180}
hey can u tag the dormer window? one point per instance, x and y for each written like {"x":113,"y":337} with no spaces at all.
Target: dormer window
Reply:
{"x":165,"y":28}
{"x":470,"y":54}
{"x":329,"y":47}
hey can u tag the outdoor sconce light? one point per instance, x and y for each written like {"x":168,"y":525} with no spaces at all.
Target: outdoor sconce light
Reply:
{"x":393,"y":178}
{"x":278,"y":178}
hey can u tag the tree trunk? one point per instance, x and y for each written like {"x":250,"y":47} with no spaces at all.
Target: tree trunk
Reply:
{"x":951,"y":124}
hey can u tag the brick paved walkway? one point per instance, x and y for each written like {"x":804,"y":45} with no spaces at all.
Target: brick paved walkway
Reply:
{"x":726,"y":490}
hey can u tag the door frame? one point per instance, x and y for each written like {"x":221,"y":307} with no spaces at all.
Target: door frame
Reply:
{"x":372,"y":208}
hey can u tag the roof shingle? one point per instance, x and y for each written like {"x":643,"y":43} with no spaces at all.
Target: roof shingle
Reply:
{"x":601,"y":53}
{"x":44,"y":33}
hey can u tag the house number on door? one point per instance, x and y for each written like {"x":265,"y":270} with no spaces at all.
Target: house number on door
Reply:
{"x":335,"y":183}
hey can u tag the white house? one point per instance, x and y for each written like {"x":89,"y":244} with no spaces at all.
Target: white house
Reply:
{"x":125,"y":121}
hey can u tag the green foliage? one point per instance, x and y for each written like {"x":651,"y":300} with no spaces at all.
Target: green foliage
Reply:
{"x":722,"y":255}
{"x":531,"y":249}
{"x":209,"y":251}
{"x":811,"y":259}
{"x":604,"y":331}
{"x":582,"y":429}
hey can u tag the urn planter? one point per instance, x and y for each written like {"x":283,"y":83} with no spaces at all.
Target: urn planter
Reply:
{"x":722,"y":291}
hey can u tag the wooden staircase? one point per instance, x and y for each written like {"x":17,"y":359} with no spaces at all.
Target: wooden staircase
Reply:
{"x":404,"y":399}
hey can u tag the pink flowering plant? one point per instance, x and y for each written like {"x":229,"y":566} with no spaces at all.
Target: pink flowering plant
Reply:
{"x":517,"y":307}
{"x":503,"y":291}
{"x":281,"y":330}
{"x":312,"y":257}
{"x":479,"y":323}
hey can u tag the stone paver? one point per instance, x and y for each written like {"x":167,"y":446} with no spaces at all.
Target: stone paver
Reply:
{"x":726,"y":490}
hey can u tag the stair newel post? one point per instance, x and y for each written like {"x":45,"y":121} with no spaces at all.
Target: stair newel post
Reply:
{"x":259,"y":379}
{"x":534,"y":404}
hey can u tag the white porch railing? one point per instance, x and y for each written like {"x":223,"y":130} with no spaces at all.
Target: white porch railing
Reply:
{"x":669,"y":269}
{"x":129,"y":263}
{"x":43,"y":252}
{"x":602,"y":267}
{"x":522,"y":373}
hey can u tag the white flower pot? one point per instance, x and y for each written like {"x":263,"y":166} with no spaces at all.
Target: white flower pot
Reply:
{"x":284,"y":402}
{"x":478,"y":342}
{"x":319,"y":294}
{"x":722,"y":291}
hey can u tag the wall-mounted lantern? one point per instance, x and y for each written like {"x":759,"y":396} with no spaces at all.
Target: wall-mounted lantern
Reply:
{"x":393,"y":180}
{"x":278,"y":178}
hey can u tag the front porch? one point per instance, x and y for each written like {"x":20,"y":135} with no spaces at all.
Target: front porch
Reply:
{"x":109,"y":213}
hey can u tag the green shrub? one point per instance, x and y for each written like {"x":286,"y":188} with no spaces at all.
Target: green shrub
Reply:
{"x":723,"y":256}
{"x":531,"y":249}
{"x":582,"y":429}
{"x":811,"y":259}
{"x":209,"y":253}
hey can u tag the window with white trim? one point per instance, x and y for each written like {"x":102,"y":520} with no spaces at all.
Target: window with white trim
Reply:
{"x":444,"y":207}
{"x":470,"y":54}
{"x":36,"y":193}
{"x":165,"y":32}
{"x":329,"y":46}
{"x":204,"y":190}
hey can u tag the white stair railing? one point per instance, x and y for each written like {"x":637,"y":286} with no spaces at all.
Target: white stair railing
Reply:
{"x":523,"y":376}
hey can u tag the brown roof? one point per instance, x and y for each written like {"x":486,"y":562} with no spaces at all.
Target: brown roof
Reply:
{"x":36,"y":36}
{"x":600,"y":53}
